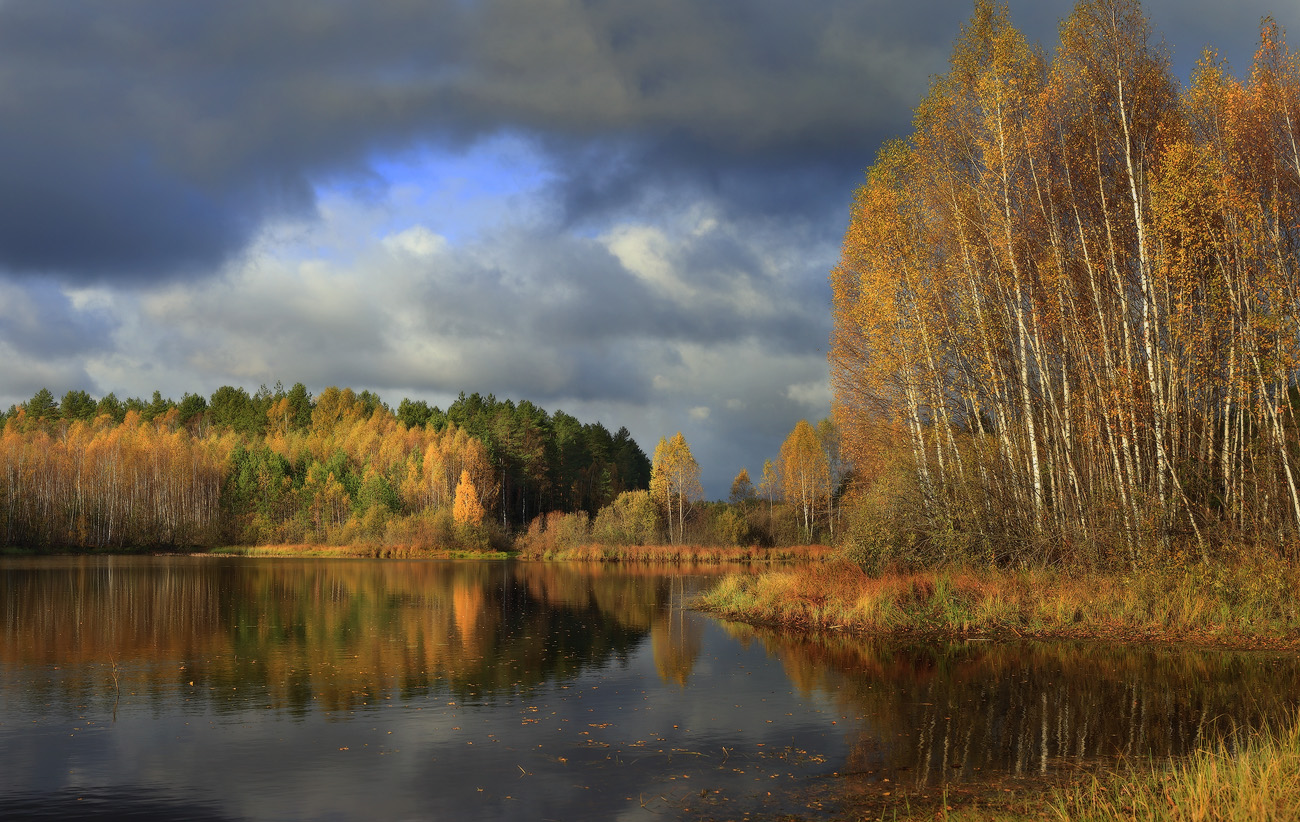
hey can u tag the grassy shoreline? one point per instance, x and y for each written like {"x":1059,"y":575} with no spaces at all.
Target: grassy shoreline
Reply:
{"x":1253,"y":606}
{"x":312,"y":551}
{"x":680,"y":554}
{"x":693,"y":555}
{"x":1255,"y":779}
{"x":1258,"y":779}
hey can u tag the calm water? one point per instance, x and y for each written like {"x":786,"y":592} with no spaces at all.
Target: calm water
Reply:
{"x":218,"y":689}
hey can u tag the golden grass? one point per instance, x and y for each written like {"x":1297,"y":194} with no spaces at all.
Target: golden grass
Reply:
{"x":1252,"y":779}
{"x":361,"y":551}
{"x":1255,"y":604}
{"x":679,"y":554}
{"x":1257,"y":779}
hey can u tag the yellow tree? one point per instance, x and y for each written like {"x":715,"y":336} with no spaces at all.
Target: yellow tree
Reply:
{"x":742,"y":488}
{"x":768,"y":486}
{"x":675,"y":477}
{"x":828,"y":437}
{"x":804,"y":470}
{"x":467,"y":510}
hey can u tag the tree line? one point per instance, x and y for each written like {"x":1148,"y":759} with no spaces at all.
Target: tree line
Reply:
{"x":283,"y":466}
{"x":797,"y":501}
{"x":1068,"y":303}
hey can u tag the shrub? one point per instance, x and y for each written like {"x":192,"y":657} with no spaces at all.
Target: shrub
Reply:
{"x":631,"y":519}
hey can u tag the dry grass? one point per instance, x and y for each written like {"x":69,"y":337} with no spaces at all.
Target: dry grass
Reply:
{"x":1251,"y":780}
{"x":1255,"y":604}
{"x":359,"y":551}
{"x":1238,"y":781}
{"x":678,"y":554}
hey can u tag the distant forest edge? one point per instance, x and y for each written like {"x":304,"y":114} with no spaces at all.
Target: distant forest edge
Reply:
{"x":280,"y":466}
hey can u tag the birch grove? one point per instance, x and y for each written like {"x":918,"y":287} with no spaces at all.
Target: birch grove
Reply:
{"x":1071,"y":294}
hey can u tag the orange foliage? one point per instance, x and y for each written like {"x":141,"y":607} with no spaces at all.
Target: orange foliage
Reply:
{"x":467,"y":510}
{"x":1071,"y":293}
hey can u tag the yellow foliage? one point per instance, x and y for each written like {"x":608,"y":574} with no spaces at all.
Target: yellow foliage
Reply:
{"x":467,"y":509}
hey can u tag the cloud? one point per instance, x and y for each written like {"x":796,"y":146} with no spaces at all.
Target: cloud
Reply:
{"x":623,"y":209}
{"x":39,"y":318}
{"x":815,"y":395}
{"x":149,"y":141}
{"x":695,"y":323}
{"x":153,"y":141}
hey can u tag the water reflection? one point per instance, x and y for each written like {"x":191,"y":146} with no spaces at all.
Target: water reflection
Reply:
{"x":934,"y":714}
{"x":271,"y":689}
{"x":332,"y":633}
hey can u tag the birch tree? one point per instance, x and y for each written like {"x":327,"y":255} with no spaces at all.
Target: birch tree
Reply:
{"x":674,"y":482}
{"x":804,"y":472}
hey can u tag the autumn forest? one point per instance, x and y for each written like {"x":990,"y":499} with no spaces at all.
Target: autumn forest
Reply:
{"x":1067,"y":314}
{"x":282,"y":467}
{"x":1066,"y":329}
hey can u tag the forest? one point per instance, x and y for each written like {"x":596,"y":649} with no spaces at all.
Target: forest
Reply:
{"x":1067,"y":316}
{"x":280,"y":466}
{"x":283,"y":468}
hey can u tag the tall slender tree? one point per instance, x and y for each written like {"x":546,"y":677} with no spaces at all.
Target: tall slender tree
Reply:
{"x":675,"y":482}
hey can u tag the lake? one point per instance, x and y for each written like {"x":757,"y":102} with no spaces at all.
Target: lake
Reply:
{"x":246,"y":689}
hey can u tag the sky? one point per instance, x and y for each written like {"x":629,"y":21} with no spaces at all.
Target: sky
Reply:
{"x":627,"y":211}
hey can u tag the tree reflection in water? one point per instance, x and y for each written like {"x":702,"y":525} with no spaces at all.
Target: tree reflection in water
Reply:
{"x":333,"y":634}
{"x":944,"y":713}
{"x":529,"y":674}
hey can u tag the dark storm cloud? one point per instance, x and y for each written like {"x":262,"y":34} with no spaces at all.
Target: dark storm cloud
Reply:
{"x":144,"y":139}
{"x":147,"y":139}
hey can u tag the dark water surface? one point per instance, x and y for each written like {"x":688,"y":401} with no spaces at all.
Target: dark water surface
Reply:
{"x":223,"y":689}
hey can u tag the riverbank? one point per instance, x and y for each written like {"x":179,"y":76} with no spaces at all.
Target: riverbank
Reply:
{"x":1258,"y":779}
{"x":659,"y":555}
{"x":679,"y":554}
{"x":1255,"y":779}
{"x":1253,"y":605}
{"x":312,"y":551}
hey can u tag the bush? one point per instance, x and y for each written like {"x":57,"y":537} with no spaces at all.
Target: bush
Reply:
{"x":631,"y":519}
{"x":730,"y":527}
{"x":552,"y":532}
{"x":571,"y":530}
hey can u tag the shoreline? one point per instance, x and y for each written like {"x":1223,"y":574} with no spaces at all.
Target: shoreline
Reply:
{"x":685,"y":555}
{"x":1261,"y":643}
{"x":804,"y":589}
{"x":1243,"y":608}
